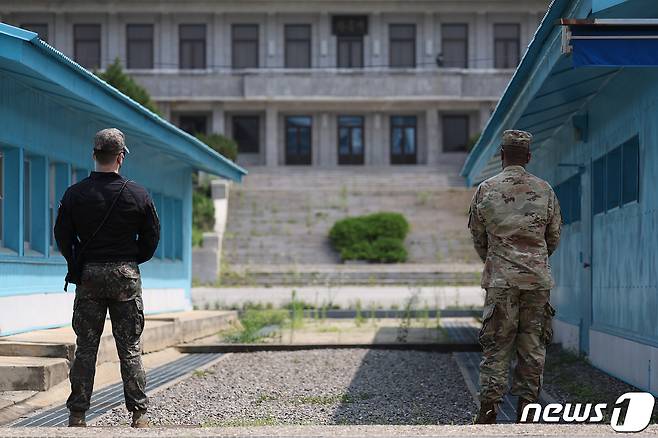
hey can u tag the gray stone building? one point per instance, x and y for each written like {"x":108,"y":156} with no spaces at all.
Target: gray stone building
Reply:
{"x":306,"y":82}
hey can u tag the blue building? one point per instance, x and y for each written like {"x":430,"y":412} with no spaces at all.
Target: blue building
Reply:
{"x":50,"y":108}
{"x":587,"y":89}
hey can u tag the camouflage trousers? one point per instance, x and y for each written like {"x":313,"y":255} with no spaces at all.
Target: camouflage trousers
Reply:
{"x":115,"y":287}
{"x":516,"y":323}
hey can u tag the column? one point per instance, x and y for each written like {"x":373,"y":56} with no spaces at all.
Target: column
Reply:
{"x":168,"y":42}
{"x":483,"y":55}
{"x":219,"y":44}
{"x":428,"y":56}
{"x":324,"y":34}
{"x":377,"y":58}
{"x":218,"y":118}
{"x":271,"y":59}
{"x":271,"y":137}
{"x":432,"y":133}
{"x":62,"y":37}
{"x":111,"y":49}
{"x":485,"y":113}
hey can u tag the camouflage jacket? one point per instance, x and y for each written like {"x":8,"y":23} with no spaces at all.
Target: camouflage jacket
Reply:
{"x":515,"y":222}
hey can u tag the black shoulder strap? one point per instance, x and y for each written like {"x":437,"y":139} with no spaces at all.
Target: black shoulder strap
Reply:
{"x":107,"y":215}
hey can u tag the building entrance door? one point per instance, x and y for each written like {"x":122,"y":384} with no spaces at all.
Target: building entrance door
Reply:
{"x":350,"y":140}
{"x":298,"y":140}
{"x":403,"y":140}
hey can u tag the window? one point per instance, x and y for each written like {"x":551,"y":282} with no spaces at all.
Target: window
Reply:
{"x":53,"y":203}
{"x":598,"y":181}
{"x":192,"y":46}
{"x":568,"y":194}
{"x":27,"y":213}
{"x":139,"y":42}
{"x":168,"y":227}
{"x":246,"y":133}
{"x":178,"y":229}
{"x":631,"y":170}
{"x":616,"y":177}
{"x":454,"y":42}
{"x":298,"y":45}
{"x":613,"y":179}
{"x":40,"y":29}
{"x":193,"y":124}
{"x":159,"y":208}
{"x":403,"y":140}
{"x":350,"y":140}
{"x":506,"y":45}
{"x":455,"y":133}
{"x":87,"y":45}
{"x":350,"y":31}
{"x":402,"y":45}
{"x":350,"y":52}
{"x":298,"y":140}
{"x":244,"y":51}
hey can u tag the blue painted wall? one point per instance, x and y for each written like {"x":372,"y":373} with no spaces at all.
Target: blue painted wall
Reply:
{"x":54,"y":136}
{"x":624,"y":268}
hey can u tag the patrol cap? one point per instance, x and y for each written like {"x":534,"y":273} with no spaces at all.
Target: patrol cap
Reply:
{"x":111,"y":141}
{"x":517,"y":139}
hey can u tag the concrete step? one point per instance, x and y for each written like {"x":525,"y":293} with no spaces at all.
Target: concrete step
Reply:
{"x":34,"y":360}
{"x":37,"y":349}
{"x":20,"y":373}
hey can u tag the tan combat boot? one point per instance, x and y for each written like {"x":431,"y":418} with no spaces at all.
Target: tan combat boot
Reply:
{"x":139,"y":420}
{"x":487,"y":414}
{"x":77,"y":419}
{"x":520,"y":406}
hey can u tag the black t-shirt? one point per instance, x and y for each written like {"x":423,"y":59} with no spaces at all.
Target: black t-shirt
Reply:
{"x":132,"y":230}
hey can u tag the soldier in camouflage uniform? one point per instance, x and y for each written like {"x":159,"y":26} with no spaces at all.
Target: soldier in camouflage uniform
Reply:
{"x":110,"y":277}
{"x":515,"y":223}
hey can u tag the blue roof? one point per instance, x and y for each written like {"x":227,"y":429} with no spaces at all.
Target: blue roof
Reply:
{"x":44,"y":67}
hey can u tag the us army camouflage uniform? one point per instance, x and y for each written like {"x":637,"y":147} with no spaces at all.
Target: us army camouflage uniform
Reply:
{"x":117,"y":287}
{"x":515,"y":223}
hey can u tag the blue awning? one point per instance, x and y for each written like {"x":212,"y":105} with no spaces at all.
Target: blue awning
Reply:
{"x":614,"y":43}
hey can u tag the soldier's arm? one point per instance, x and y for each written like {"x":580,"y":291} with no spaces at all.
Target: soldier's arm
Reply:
{"x":64,"y":230}
{"x":554,"y":226}
{"x":478,"y":230}
{"x":149,"y":233}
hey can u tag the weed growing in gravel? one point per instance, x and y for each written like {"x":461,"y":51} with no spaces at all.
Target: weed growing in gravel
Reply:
{"x":253,"y":321}
{"x":265,"y":398}
{"x":358,"y":319}
{"x":332,"y":399}
{"x":202,"y":373}
{"x":243,"y":422}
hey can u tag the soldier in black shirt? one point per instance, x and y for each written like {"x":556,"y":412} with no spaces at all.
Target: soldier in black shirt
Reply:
{"x":106,"y":226}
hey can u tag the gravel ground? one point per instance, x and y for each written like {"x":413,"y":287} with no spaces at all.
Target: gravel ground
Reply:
{"x":342,"y":387}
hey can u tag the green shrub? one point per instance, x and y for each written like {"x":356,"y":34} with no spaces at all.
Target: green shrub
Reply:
{"x":221,"y":144}
{"x":377,"y":237}
{"x":115,"y":76}
{"x":203,"y":214}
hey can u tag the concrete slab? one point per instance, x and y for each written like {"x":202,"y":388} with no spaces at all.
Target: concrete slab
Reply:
{"x":37,"y":349}
{"x":18,"y":373}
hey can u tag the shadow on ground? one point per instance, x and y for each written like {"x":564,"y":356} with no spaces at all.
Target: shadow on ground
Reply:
{"x":410,"y":387}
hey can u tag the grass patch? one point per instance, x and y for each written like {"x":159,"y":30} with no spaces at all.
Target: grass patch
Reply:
{"x":252,"y":321}
{"x":202,"y":373}
{"x":243,"y":422}
{"x":332,"y":399}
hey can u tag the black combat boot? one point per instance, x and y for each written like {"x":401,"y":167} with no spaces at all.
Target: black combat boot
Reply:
{"x":520,"y":406}
{"x":139,"y":420}
{"x":487,"y":414}
{"x":77,"y":419}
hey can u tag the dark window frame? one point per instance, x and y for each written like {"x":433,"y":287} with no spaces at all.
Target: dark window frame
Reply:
{"x":351,"y":40}
{"x":193,"y":40}
{"x":32,"y":25}
{"x":413,"y":41}
{"x":191,"y":116}
{"x":287,"y":39}
{"x":298,"y":160}
{"x":516,"y":42}
{"x":242,"y":148}
{"x":235,"y":40}
{"x":351,"y":158}
{"x":130,"y":40}
{"x":445,"y":39}
{"x":76,"y":40}
{"x":601,"y":201}
{"x":403,"y":158}
{"x":446,"y":117}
